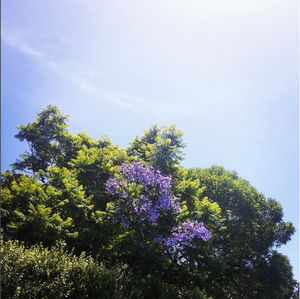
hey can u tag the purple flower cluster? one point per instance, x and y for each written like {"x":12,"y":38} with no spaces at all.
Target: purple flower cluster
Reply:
{"x":181,"y":235}
{"x":145,"y":175}
{"x":155,"y":194}
{"x":113,"y":186}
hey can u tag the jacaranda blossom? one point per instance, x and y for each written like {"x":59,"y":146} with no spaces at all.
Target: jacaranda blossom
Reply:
{"x":156,"y":192}
{"x":183,"y":234}
{"x":154,"y":196}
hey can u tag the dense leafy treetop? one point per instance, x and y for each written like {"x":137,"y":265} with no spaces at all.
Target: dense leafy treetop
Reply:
{"x":185,"y":232}
{"x":160,"y":147}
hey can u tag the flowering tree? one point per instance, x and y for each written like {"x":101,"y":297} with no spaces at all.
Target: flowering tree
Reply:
{"x":179,"y":231}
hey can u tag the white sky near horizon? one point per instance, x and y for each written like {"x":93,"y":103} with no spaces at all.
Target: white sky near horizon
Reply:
{"x":226,"y":72}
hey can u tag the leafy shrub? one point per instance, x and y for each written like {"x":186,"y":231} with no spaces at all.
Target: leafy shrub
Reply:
{"x":38,"y":272}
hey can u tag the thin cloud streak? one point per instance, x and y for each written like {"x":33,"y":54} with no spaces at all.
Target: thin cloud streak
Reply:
{"x":20,"y":46}
{"x":83,"y":81}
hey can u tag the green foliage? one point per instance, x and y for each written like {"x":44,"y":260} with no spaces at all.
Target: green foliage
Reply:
{"x":38,"y":272}
{"x":93,"y":166}
{"x":275,"y":277}
{"x":36,"y":212}
{"x":160,"y":147}
{"x":42,"y":137}
{"x":57,"y":191}
{"x":254,"y":225}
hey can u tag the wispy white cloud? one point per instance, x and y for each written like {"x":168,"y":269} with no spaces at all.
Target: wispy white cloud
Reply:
{"x":85,"y":80}
{"x":19,"y":45}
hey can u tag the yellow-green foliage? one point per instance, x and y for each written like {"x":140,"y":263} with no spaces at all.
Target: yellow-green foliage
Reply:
{"x":38,"y":272}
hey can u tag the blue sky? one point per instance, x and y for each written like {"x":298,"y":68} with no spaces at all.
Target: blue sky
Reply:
{"x":226,"y":72}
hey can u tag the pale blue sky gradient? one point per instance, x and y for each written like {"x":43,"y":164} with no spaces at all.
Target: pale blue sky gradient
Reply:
{"x":226,"y":72}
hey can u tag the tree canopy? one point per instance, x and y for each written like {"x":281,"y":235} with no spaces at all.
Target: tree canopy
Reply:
{"x":177,"y":232}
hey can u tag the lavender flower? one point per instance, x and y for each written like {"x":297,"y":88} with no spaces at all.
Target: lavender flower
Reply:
{"x":183,"y":234}
{"x":153,"y":183}
{"x":153,"y":197}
